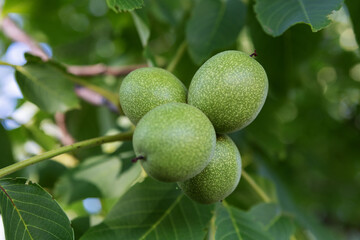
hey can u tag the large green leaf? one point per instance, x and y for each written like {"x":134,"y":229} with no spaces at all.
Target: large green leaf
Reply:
{"x":354,"y":8}
{"x":101,"y":176}
{"x":276,"y":16}
{"x":46,"y":85}
{"x":124,"y":5}
{"x":232,"y":223}
{"x":153,"y":210}
{"x":214,"y":24}
{"x":29,"y":212}
{"x":5,"y":149}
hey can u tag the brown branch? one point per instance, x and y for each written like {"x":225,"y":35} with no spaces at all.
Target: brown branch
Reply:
{"x":66,"y":138}
{"x":101,"y":69}
{"x":18,"y":35}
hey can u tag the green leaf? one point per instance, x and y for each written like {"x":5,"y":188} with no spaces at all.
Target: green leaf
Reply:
{"x":265,"y":212}
{"x":287,"y":202}
{"x":29,"y":212}
{"x":47,"y":86}
{"x":169,"y":12}
{"x":124,"y":5}
{"x":81,"y":127}
{"x":142,"y":25}
{"x":232,"y":223}
{"x":281,"y":228}
{"x":244,"y":196}
{"x":274,"y":221}
{"x":277,"y":16}
{"x":7,"y":157}
{"x":101,"y":176}
{"x":214,"y":24}
{"x":80,"y":225}
{"x":49,"y":172}
{"x":153,"y":210}
{"x":354,"y":7}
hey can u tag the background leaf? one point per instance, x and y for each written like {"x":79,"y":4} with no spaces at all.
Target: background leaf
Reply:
{"x":124,"y":5}
{"x":29,"y":212}
{"x":277,"y":16}
{"x":101,"y":176}
{"x":153,"y":210}
{"x":232,"y":223}
{"x":273,"y":220}
{"x":45,"y":85}
{"x":214,"y":25}
{"x":7,"y":157}
{"x":354,"y":8}
{"x":80,"y":225}
{"x":142,"y":25}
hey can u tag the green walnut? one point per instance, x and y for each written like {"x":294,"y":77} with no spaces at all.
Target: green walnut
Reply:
{"x":174,"y":141}
{"x":146,"y":88}
{"x":230,"y":88}
{"x":219,"y":178}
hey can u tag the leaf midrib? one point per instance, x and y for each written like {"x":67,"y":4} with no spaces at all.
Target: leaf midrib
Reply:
{"x":166,"y":213}
{"x":233,"y":221}
{"x":17,"y":210}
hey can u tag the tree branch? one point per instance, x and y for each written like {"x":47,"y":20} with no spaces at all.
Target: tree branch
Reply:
{"x":66,"y":138}
{"x":55,"y":152}
{"x":101,"y":69}
{"x":18,"y":35}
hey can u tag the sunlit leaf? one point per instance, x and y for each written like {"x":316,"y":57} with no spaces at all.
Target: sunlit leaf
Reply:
{"x":46,"y":85}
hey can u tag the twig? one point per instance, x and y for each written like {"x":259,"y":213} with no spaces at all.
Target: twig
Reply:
{"x":16,"y":34}
{"x":55,"y":152}
{"x":66,"y":138}
{"x":101,"y":69}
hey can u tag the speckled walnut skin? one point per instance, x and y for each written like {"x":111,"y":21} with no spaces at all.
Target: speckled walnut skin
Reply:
{"x":230,"y":88}
{"x":220,"y":177}
{"x":147,"y":88}
{"x":177,"y":141}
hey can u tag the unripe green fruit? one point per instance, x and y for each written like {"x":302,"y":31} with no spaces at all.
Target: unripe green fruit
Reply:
{"x":230,"y":88}
{"x":146,"y":88}
{"x":174,"y":141}
{"x":219,"y":178}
